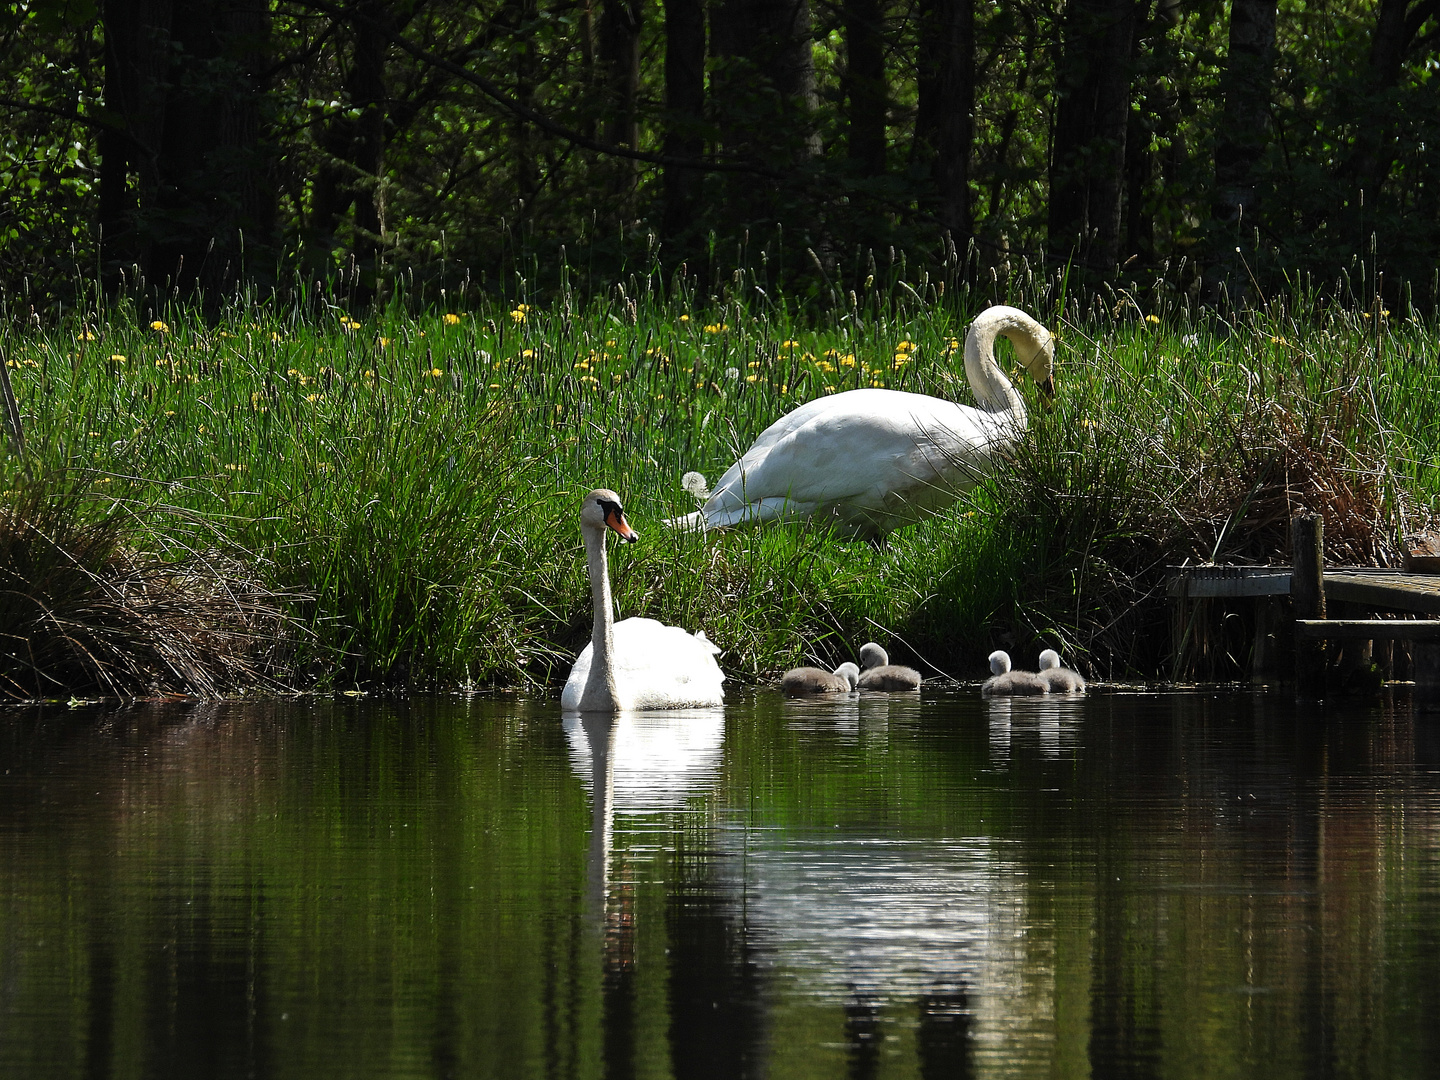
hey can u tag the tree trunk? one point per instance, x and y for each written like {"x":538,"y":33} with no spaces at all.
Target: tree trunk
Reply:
{"x":945,"y":115}
{"x":126,"y":147}
{"x":1397,"y":23}
{"x":353,"y":175}
{"x":368,"y":94}
{"x":864,"y":85}
{"x":1244,"y":134}
{"x":764,"y":94}
{"x":684,"y":120}
{"x":527,"y":167}
{"x":1154,"y":64}
{"x":1087,"y":154}
{"x":620,"y":57}
{"x":182,"y":80}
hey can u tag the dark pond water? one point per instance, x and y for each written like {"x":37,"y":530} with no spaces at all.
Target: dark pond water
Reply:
{"x":1168,"y":885}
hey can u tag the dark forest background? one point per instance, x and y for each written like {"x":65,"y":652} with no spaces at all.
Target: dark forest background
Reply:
{"x":1223,"y":147}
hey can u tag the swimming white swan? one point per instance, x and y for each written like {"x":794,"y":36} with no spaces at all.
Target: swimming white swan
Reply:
{"x":635,"y":663}
{"x":1057,"y":679}
{"x":877,"y":673}
{"x":1004,"y":682}
{"x":871,"y":461}
{"x":814,"y":680}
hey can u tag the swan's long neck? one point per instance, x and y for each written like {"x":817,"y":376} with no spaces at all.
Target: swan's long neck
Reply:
{"x":600,"y":693}
{"x":994,"y":392}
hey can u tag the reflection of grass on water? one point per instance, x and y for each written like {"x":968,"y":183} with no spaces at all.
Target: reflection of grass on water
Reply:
{"x":391,"y":501}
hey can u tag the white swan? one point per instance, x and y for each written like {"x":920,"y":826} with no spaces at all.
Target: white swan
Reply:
{"x":1057,"y":679}
{"x":635,"y":663}
{"x":877,"y":673}
{"x":1006,"y":683}
{"x":871,"y":461}
{"x":814,"y":680}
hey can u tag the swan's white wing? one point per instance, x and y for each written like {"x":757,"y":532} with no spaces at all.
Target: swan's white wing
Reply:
{"x":656,"y":667}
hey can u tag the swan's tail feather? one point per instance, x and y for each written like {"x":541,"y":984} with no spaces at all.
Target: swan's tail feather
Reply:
{"x":753,"y":513}
{"x":694,"y":522}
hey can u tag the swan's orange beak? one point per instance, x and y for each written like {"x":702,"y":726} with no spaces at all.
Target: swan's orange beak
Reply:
{"x":615,"y":518}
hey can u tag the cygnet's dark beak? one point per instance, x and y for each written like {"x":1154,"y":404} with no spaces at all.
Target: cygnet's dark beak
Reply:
{"x":1047,"y":386}
{"x":615,"y":518}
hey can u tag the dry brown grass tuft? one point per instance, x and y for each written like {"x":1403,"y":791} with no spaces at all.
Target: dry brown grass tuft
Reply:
{"x":81,"y":614}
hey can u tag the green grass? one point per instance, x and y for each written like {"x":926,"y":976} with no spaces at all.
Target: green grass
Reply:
{"x":406,"y":486}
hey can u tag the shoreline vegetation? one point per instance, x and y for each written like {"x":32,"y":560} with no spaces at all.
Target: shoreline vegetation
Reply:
{"x":288,"y":497}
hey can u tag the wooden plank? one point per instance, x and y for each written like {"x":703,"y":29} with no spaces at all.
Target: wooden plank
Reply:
{"x":1207,"y":581}
{"x":1373,"y":587}
{"x":1381,"y":588}
{"x":1369,"y":629}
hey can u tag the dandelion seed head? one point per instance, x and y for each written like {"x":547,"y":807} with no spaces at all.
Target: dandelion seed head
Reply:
{"x":696,"y":485}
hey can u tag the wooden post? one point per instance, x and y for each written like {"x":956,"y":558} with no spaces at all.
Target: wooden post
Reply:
{"x":1427,"y":665}
{"x":1307,"y":594}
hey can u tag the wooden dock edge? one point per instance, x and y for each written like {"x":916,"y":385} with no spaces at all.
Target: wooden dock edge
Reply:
{"x":1314,"y":595}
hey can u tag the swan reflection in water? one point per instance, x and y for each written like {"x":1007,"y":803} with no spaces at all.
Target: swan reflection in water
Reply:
{"x":926,"y":932}
{"x":637,"y":763}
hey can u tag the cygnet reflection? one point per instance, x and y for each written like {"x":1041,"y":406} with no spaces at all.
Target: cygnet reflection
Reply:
{"x":1047,"y":723}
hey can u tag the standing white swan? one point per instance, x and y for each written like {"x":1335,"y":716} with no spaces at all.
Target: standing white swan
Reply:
{"x":871,"y":461}
{"x":635,"y":663}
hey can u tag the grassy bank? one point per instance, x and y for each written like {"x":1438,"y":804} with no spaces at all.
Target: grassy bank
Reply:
{"x":389,"y":500}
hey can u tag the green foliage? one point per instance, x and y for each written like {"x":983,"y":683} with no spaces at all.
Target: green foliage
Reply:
{"x":465,"y":152}
{"x":407,"y":487}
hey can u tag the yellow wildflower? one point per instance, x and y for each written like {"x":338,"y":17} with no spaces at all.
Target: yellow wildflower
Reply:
{"x":435,"y":372}
{"x":751,"y":378}
{"x":348,"y":323}
{"x":519,"y":313}
{"x":159,"y":327}
{"x":451,"y":318}
{"x":526,"y":354}
{"x":848,"y":360}
{"x":684,"y":318}
{"x":87,"y":336}
{"x":384,"y":342}
{"x":117,"y":358}
{"x":1153,"y":319}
